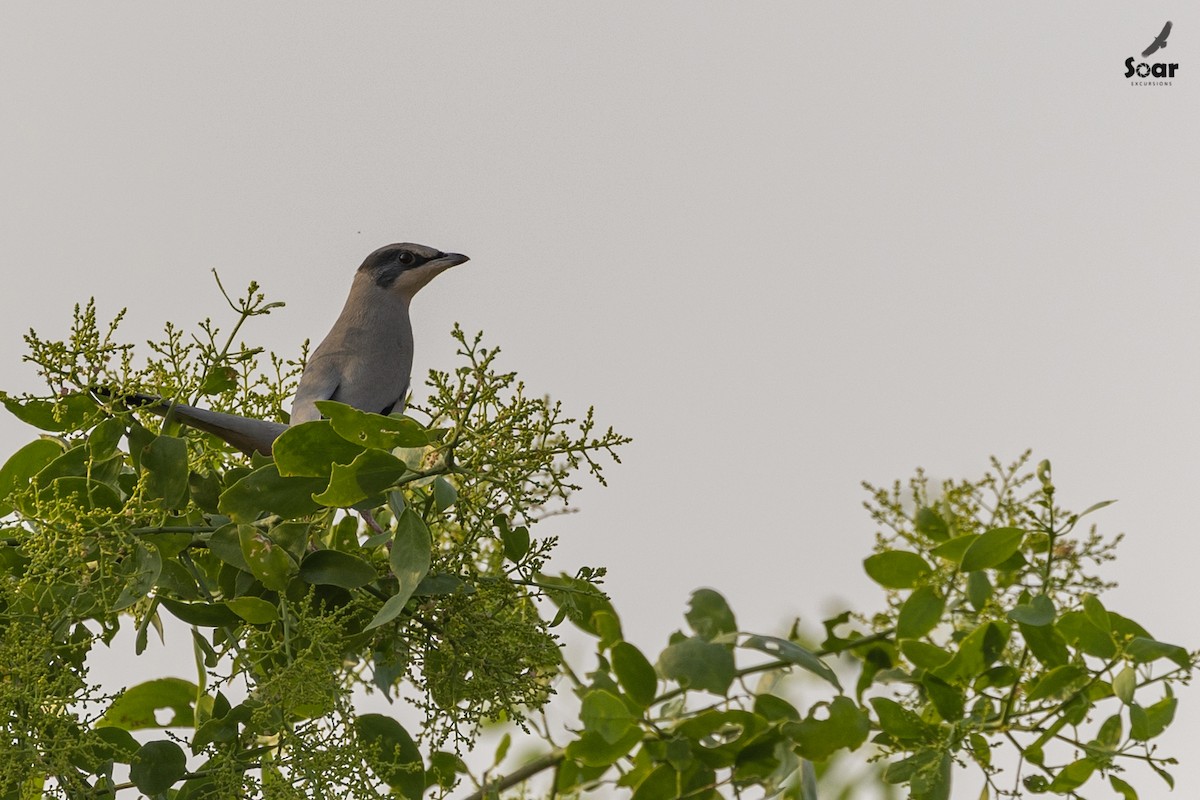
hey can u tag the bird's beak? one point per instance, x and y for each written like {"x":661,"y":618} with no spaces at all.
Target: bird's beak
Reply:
{"x":447,"y":260}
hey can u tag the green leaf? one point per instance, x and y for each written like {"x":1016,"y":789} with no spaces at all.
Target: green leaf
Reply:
{"x":793,"y":653}
{"x":1046,"y":644}
{"x":1072,"y":776}
{"x":845,"y":726}
{"x":1125,"y":684}
{"x":367,"y":475}
{"x":254,"y":610}
{"x":270,"y":562}
{"x":709,"y":614}
{"x":954,"y":549}
{"x":604,"y":713}
{"x":897,"y":569}
{"x":923,"y":654}
{"x":1127,"y":791}
{"x":310,"y":449}
{"x":104,"y":439}
{"x":226,"y":544}
{"x":920,"y":613}
{"x":696,"y":664}
{"x":412,"y":549}
{"x":165,"y":461}
{"x":73,"y":412}
{"x":1037,"y":612}
{"x":1077,"y":629}
{"x":635,"y":673}
{"x":81,"y":492}
{"x":976,"y":652}
{"x":1058,"y":682}
{"x":205,"y":615}
{"x":516,"y":542}
{"x":334,"y":568}
{"x":219,"y":378}
{"x":900,"y":723}
{"x":948,"y":700}
{"x":979,"y":589}
{"x":265,"y":491}
{"x":134,"y":708}
{"x":141,"y":571}
{"x":20,"y":468}
{"x":1096,"y":613}
{"x":444,"y":493}
{"x":930,"y":524}
{"x":392,"y":754}
{"x":373,"y":430}
{"x":119,"y":745}
{"x":992,"y":548}
{"x":718,"y":736}
{"x":157,"y":765}
{"x":1143,"y":650}
{"x":593,"y":750}
{"x":1147,"y":723}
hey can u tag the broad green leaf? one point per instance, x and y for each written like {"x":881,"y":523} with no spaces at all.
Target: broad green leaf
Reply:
{"x":709,"y":615}
{"x":1127,"y":791}
{"x":254,"y":610}
{"x":948,"y":700}
{"x":73,"y":412}
{"x":920,"y":613}
{"x":373,"y":430}
{"x":593,"y":750}
{"x":992,"y":548}
{"x":923,"y":654}
{"x":1072,"y":776}
{"x":1109,"y":735}
{"x":1037,"y":612}
{"x":900,"y":723}
{"x":444,"y":493}
{"x":206,"y":615}
{"x":1077,"y":629}
{"x":118,"y":744}
{"x":156,"y":766}
{"x":897,"y":569}
{"x":976,"y":652}
{"x":662,"y":783}
{"x":310,"y":449}
{"x":1046,"y":644}
{"x":134,"y":708}
{"x":1096,"y":613}
{"x":1143,"y":650}
{"x":635,"y":673}
{"x":793,"y":653}
{"x":219,"y":378}
{"x":721,"y":735}
{"x":226,"y":544}
{"x":844,"y":725}
{"x":929,"y":523}
{"x":696,"y":664}
{"x":165,"y":461}
{"x":367,"y":475}
{"x":269,"y":561}
{"x":141,"y":571}
{"x":392,"y":754}
{"x":412,"y":549}
{"x":1147,"y":723}
{"x":979,"y":589}
{"x":577,"y":600}
{"x":604,"y":713}
{"x":105,"y":438}
{"x":334,"y":568}
{"x":516,"y":542}
{"x":954,"y":549}
{"x":1125,"y":684}
{"x":1058,"y":682}
{"x":264,"y":491}
{"x":20,"y":468}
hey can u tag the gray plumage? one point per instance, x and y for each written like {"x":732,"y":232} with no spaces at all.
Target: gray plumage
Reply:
{"x":364,"y":361}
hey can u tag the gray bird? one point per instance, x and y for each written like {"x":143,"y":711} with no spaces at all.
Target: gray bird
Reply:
{"x":364,"y":361}
{"x":1159,"y":42}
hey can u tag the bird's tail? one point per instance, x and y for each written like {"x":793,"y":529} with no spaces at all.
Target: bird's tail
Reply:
{"x":245,"y":433}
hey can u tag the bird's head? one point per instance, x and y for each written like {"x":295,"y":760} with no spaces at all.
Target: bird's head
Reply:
{"x":404,"y":268}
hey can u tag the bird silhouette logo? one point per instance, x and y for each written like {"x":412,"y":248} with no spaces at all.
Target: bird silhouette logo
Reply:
{"x":1159,"y":42}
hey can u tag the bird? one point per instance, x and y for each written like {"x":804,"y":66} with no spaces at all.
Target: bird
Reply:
{"x":1159,"y":42}
{"x":365,"y":361}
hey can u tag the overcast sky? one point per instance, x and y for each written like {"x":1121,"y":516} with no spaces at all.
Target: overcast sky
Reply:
{"x":785,"y":246}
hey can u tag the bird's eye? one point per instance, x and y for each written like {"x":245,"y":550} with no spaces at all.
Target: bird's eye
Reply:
{"x":406,"y":257}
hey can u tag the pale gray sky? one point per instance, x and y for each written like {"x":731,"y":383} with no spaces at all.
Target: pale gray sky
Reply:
{"x":785,"y":246}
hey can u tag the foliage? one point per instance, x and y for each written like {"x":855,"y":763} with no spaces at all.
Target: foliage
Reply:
{"x":992,"y":636}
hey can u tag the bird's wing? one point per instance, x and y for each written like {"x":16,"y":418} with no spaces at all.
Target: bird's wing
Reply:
{"x":320,"y":381}
{"x":1166,"y":31}
{"x":1159,"y":41}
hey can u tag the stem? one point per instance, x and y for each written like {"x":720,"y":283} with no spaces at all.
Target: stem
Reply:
{"x":546,"y":762}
